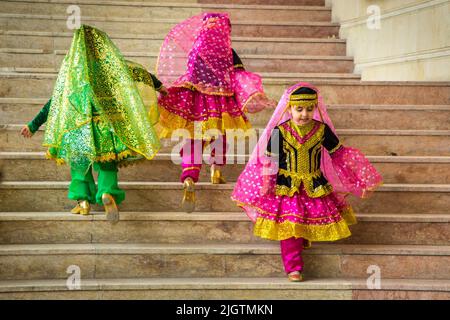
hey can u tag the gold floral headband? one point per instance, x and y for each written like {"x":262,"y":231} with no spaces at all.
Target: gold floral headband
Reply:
{"x":304,"y":100}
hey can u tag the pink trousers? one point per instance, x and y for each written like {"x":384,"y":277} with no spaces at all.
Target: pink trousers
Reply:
{"x":192,"y":156}
{"x":291,"y":254}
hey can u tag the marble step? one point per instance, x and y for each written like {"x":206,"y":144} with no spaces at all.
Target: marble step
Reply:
{"x":50,"y":261}
{"x":40,"y":85}
{"x":32,"y":166}
{"x":34,"y":58}
{"x":51,"y":41}
{"x":157,"y":26}
{"x":222,"y":288}
{"x":205,"y":228}
{"x":162,"y":10}
{"x":371,"y":142}
{"x":383,"y":117}
{"x":11,"y":72}
{"x":192,"y":289}
{"x":227,"y":288}
{"x":44,"y":196}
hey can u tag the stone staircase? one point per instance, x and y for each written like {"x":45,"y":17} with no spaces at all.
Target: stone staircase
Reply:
{"x":158,"y":252}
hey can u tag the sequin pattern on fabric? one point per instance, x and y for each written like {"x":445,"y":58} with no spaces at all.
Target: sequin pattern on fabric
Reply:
{"x":196,"y":64}
{"x":94,"y":81}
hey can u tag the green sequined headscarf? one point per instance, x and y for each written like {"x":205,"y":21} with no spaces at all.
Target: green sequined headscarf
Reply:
{"x":96,"y":84}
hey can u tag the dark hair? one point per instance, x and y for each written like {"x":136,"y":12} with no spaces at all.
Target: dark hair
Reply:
{"x":304,"y":90}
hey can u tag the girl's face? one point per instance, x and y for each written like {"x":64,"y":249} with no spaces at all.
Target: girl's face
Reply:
{"x":302,"y":115}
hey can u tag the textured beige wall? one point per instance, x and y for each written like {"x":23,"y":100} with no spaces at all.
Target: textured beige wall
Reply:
{"x":412,"y":43}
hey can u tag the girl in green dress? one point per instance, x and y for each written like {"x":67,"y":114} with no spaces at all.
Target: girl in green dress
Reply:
{"x":97,"y":118}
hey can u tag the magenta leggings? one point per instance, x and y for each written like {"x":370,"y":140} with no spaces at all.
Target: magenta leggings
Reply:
{"x":291,"y":254}
{"x":192,"y":156}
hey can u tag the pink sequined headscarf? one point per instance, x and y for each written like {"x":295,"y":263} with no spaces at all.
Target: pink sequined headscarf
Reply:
{"x":197,"y":52}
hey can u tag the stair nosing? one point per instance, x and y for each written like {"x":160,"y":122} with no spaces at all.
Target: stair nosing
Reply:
{"x":163,"y":156}
{"x":350,"y":82}
{"x":216,"y":249}
{"x":161,"y":37}
{"x":52,"y":17}
{"x":49,"y":73}
{"x":343,"y":132}
{"x":232,"y":216}
{"x":144,"y":185}
{"x":369,"y":106}
{"x":225,"y":283}
{"x":173,"y":284}
{"x":183,"y":5}
{"x":155,"y":54}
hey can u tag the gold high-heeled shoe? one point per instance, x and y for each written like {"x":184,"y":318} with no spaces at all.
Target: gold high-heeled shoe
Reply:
{"x":188,"y":202}
{"x":216,"y":176}
{"x":112,"y":212}
{"x":295,"y":276}
{"x":307,"y":244}
{"x":83,"y":207}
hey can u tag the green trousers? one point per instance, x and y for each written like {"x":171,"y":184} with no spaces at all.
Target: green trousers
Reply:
{"x":82,"y":186}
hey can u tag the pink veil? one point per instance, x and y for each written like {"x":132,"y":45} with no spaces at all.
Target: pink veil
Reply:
{"x":197,"y":52}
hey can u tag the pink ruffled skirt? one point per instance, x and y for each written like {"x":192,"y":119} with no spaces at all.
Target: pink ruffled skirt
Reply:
{"x":316,"y":219}
{"x":182,"y":107}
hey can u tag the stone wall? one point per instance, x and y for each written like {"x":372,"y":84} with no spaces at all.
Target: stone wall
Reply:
{"x":412,"y":42}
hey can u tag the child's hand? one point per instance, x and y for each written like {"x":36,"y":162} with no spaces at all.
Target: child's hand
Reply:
{"x":259,"y":103}
{"x":271,"y":104}
{"x":267,"y":102}
{"x":26,"y":132}
{"x":163,"y":91}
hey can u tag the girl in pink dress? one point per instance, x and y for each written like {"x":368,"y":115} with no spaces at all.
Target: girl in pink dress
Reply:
{"x":294,"y":186}
{"x":209,"y":89}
